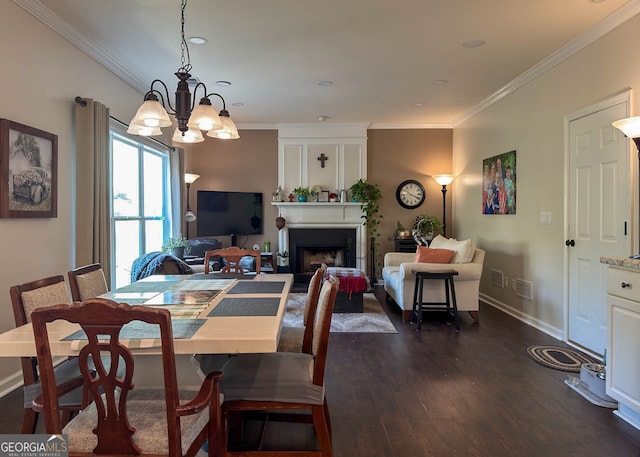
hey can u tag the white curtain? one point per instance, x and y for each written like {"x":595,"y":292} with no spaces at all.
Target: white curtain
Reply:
{"x":93,"y":205}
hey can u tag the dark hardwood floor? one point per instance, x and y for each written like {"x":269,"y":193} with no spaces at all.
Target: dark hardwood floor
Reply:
{"x":442,"y":393}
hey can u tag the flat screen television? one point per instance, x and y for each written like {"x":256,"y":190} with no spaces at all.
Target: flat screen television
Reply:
{"x":225,"y":213}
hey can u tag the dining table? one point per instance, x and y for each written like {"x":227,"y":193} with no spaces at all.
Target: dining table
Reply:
{"x":210,"y":314}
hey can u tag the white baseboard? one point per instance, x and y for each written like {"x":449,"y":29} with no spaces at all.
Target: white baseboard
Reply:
{"x":527,"y":319}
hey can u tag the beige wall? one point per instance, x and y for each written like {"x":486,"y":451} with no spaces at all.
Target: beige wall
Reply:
{"x":398,"y":155}
{"x":248,"y":164}
{"x":42,"y":73}
{"x":531,"y":121}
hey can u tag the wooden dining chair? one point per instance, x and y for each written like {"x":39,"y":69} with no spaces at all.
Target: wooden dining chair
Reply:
{"x":232,"y":256}
{"x":283,"y":382}
{"x":123,"y":420}
{"x":298,"y":339}
{"x":25,"y":298}
{"x":87,"y":282}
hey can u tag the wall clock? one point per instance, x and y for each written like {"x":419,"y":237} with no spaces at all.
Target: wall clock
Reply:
{"x":410,"y":194}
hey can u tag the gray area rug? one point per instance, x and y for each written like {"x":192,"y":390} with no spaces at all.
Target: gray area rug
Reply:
{"x":372,"y":320}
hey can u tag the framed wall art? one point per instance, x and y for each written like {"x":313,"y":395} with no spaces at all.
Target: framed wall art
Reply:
{"x":28,"y":171}
{"x":499,"y":184}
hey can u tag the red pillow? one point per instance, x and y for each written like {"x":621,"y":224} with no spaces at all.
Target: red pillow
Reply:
{"x":429,"y":255}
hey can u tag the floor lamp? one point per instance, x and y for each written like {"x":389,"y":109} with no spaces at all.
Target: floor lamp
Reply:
{"x":444,"y":180}
{"x":189,"y":178}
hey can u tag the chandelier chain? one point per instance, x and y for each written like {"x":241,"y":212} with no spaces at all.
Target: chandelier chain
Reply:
{"x":184,"y":67}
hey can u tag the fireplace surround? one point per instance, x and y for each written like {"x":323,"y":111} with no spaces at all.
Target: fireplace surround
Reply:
{"x":322,"y":228}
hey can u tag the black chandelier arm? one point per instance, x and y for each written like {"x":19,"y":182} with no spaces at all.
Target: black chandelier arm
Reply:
{"x":224,"y":106}
{"x":154,"y":93}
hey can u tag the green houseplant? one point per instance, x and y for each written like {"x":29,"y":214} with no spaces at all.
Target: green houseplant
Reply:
{"x":178,"y":246}
{"x":368,"y":195}
{"x":425,"y":228}
{"x":302,"y":193}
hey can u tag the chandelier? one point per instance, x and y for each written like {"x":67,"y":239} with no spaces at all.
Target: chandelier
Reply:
{"x":192,"y":120}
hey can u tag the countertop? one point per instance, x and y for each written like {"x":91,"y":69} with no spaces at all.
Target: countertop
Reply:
{"x":621,"y":262}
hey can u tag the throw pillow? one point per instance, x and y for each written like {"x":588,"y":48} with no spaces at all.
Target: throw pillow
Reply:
{"x":465,"y":250}
{"x":429,"y":255}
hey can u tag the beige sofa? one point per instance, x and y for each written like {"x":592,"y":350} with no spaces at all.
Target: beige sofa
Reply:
{"x":399,"y":281}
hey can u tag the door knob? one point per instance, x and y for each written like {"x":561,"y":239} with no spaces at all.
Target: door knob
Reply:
{"x":570,"y":243}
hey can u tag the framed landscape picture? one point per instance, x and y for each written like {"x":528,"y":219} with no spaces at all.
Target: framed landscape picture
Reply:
{"x":28,"y":171}
{"x":499,"y":184}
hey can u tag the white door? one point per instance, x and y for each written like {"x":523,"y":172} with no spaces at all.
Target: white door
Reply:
{"x":599,"y":216}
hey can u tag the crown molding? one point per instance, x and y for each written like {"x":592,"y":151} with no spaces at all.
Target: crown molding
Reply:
{"x":605,"y":26}
{"x":46,"y":16}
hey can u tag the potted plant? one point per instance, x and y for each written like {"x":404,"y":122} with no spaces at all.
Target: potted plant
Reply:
{"x":302,"y":193}
{"x":283,"y":258}
{"x":367,"y":195}
{"x":314,"y":191}
{"x":401,"y":232}
{"x":177,"y":246}
{"x":425,"y":228}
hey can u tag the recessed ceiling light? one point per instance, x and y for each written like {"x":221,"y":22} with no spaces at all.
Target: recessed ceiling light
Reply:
{"x":418,"y":104}
{"x":197,"y":40}
{"x":223,"y":83}
{"x":596,"y":1}
{"x":325,"y":83}
{"x":323,"y":118}
{"x":237,"y":104}
{"x":439,"y":82}
{"x":474,"y":43}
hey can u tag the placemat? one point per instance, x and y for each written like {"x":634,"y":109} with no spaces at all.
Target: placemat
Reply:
{"x":258,"y":306}
{"x":137,"y":330}
{"x":257,"y":287}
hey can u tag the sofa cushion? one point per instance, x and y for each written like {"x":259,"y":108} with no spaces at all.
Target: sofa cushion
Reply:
{"x":464,"y":249}
{"x":432,"y":255}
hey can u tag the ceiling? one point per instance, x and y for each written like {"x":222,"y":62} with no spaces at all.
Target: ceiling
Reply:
{"x":392,"y":64}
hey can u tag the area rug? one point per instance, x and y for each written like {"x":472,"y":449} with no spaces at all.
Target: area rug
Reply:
{"x":559,"y":358}
{"x":372,"y":320}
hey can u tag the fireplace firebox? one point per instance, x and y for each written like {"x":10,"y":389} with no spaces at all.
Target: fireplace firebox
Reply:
{"x":311,"y":247}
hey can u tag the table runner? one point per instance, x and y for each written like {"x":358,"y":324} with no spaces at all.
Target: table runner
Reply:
{"x":139,"y":334}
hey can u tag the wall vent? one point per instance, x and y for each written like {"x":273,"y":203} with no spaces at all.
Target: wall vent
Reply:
{"x":497,"y":278}
{"x":523,"y":288}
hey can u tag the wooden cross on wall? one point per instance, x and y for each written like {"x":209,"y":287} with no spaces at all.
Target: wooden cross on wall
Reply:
{"x":323,"y":158}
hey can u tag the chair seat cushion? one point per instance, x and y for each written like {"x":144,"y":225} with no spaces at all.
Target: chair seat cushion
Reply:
{"x":65,"y":371}
{"x":291,"y":339}
{"x":280,"y":376}
{"x":146,"y":410}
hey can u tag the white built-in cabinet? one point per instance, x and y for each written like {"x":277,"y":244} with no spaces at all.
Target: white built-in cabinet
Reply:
{"x":623,"y":360}
{"x":331,"y":157}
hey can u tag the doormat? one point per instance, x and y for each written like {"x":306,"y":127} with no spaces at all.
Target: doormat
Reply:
{"x":559,"y":358}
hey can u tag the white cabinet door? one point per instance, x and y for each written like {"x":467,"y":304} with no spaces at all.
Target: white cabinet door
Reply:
{"x":623,"y":364}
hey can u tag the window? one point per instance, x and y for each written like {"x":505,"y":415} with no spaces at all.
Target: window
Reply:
{"x":140,"y":199}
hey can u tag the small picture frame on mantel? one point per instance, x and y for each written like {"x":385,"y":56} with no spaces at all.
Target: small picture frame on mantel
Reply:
{"x":323,"y":196}
{"x":28,"y":171}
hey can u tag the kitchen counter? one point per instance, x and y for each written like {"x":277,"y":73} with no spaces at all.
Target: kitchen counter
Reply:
{"x":625,"y":262}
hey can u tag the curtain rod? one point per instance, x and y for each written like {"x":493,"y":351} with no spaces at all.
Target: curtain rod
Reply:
{"x":83,"y":102}
{"x":148,"y":137}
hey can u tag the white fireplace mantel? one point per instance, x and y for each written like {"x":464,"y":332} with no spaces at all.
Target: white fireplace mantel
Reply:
{"x":323,"y":215}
